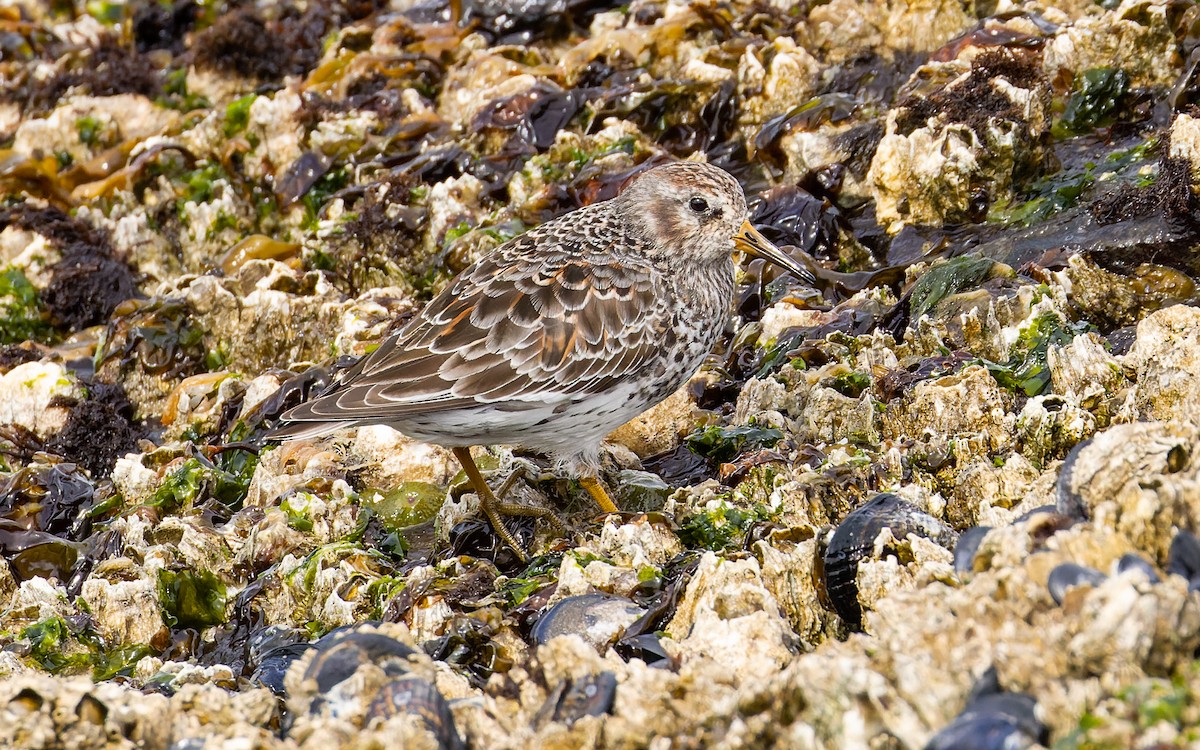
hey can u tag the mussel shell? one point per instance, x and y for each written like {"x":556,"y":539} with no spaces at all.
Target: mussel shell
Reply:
{"x":1132,"y":561}
{"x":415,"y":695}
{"x":601,"y":619}
{"x":981,"y":732}
{"x":855,"y":537}
{"x":274,"y":665}
{"x":1069,"y":575}
{"x":571,"y":700}
{"x":343,"y":651}
{"x":967,"y":547}
{"x":1183,"y":558}
{"x":993,"y":719}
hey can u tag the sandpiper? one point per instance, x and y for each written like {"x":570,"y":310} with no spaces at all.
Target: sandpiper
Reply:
{"x":562,"y":334}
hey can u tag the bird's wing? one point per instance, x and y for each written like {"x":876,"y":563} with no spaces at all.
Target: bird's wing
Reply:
{"x":522,"y":326}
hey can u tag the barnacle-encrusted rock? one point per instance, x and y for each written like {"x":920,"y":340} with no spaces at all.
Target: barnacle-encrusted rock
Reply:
{"x":729,"y":616}
{"x":123,"y":602}
{"x":956,"y":151}
{"x":1137,"y":479}
{"x":264,"y":190}
{"x":1136,"y":32}
{"x":1083,"y":369}
{"x":986,"y":493}
{"x":106,"y":121}
{"x":1114,"y":299}
{"x":789,"y":571}
{"x":1166,"y":361}
{"x":28,"y":395}
{"x":1049,"y":426}
{"x":786,"y":81}
{"x":969,"y":407}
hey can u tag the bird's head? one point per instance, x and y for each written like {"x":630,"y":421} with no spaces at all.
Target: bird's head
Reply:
{"x":694,"y":212}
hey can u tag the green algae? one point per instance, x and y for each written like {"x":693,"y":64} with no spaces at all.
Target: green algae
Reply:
{"x":21,"y":315}
{"x":191,"y":598}
{"x":721,"y":444}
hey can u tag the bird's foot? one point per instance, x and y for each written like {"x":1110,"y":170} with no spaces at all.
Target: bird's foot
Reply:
{"x":495,"y":508}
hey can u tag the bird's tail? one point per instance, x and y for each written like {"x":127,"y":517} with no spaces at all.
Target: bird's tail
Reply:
{"x":304,"y":430}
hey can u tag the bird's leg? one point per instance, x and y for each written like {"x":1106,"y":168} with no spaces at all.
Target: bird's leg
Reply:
{"x":596,"y":490}
{"x":493,"y":508}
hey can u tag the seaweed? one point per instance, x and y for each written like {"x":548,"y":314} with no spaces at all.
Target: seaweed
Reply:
{"x":195,"y":599}
{"x":158,"y":25}
{"x":99,"y":429}
{"x":86,"y":284}
{"x":1025,"y":370}
{"x":721,"y":528}
{"x":22,"y":315}
{"x":976,"y":101}
{"x":943,"y":280}
{"x":107,"y":68}
{"x":721,"y":444}
{"x":245,"y":42}
{"x":1096,"y":101}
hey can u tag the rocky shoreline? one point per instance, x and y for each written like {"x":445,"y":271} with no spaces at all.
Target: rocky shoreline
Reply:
{"x":948,"y":495}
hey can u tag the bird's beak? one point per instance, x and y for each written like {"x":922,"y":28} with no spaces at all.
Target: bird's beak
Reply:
{"x":751,"y":242}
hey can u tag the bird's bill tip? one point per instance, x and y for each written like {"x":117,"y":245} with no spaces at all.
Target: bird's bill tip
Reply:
{"x":751,"y":242}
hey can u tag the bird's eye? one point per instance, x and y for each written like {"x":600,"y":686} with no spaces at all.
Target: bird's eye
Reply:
{"x":699,"y":205}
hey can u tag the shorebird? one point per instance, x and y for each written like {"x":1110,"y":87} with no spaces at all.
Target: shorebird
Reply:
{"x":562,"y":334}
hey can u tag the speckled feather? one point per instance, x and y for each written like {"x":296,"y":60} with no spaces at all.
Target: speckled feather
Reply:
{"x":558,"y":336}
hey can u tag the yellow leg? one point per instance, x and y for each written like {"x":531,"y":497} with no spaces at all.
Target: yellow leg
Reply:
{"x":493,"y":508}
{"x":596,"y":490}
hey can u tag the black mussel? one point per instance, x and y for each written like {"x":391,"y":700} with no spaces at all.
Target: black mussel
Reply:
{"x":1131,"y":561}
{"x":1032,"y":513}
{"x":1069,"y":575}
{"x":1068,"y":501}
{"x":274,"y":664}
{"x":341,"y":653}
{"x":1183,"y":558}
{"x":993,"y":719}
{"x":855,"y":539}
{"x":571,"y":700}
{"x":415,"y":695}
{"x":599,"y":618}
{"x":968,"y":545}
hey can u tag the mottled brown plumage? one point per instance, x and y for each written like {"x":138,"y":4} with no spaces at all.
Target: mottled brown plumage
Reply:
{"x":564,"y":333}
